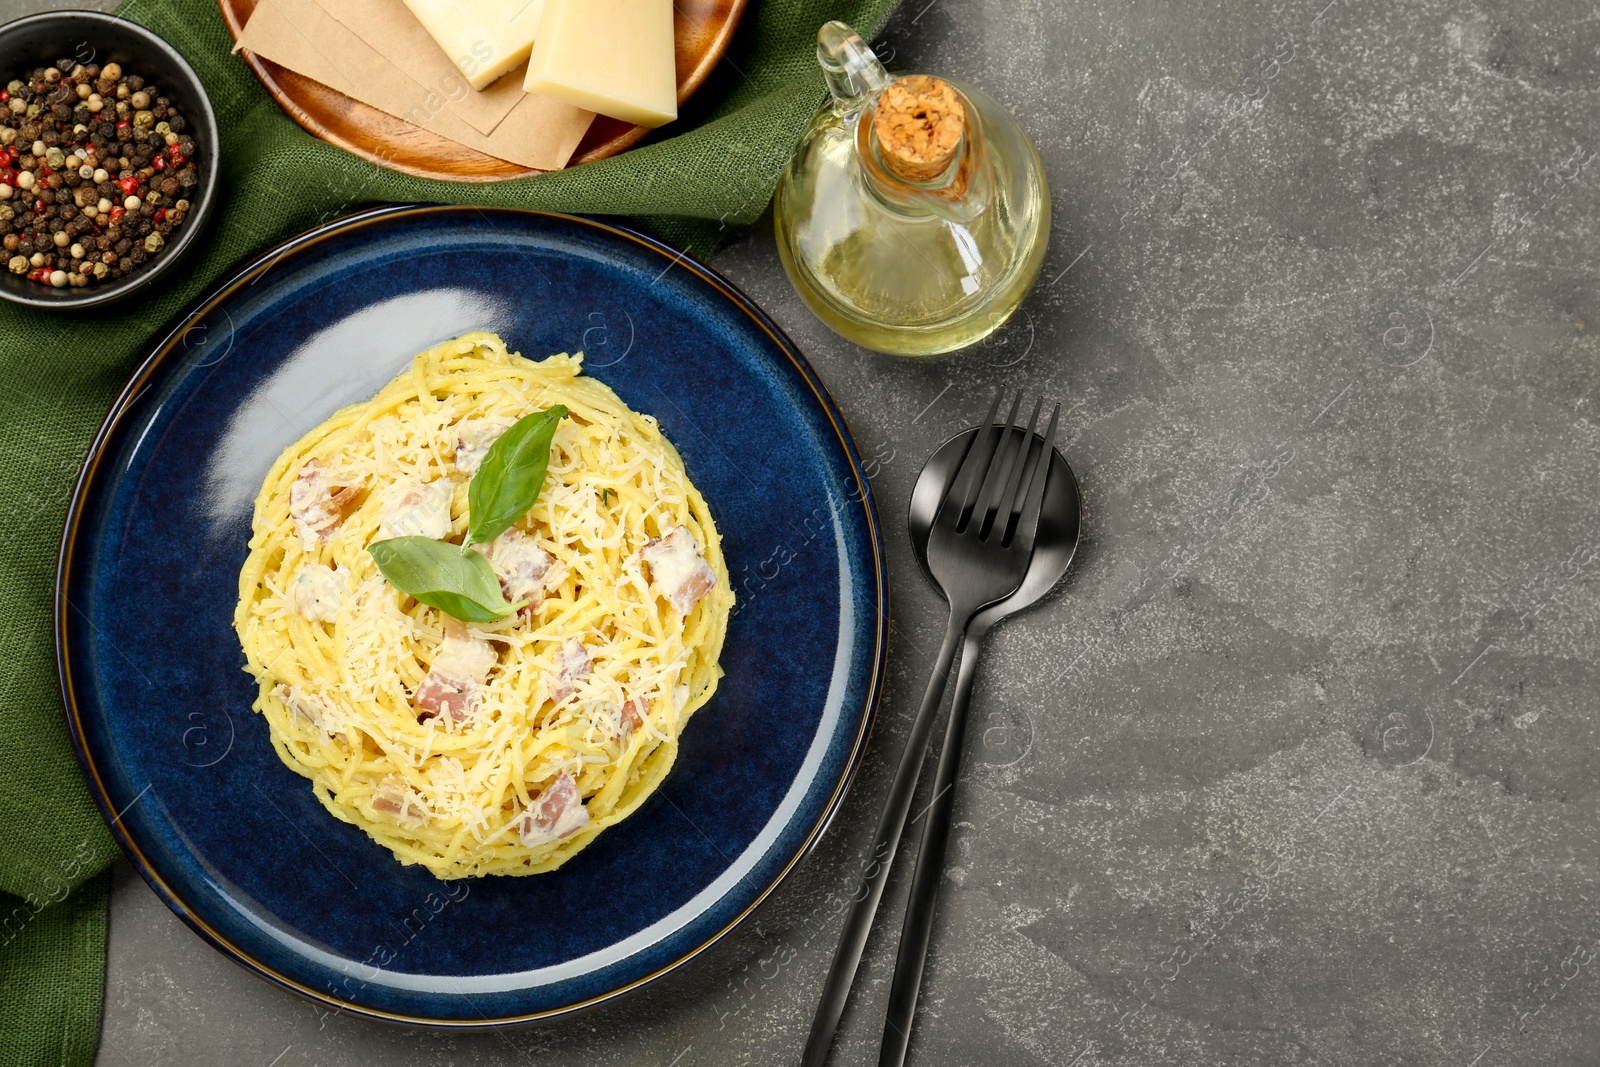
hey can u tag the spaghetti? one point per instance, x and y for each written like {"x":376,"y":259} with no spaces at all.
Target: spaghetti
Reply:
{"x":504,"y":747}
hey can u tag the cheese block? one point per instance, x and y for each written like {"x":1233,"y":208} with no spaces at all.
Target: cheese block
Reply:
{"x":615,"y":57}
{"x":484,"y":38}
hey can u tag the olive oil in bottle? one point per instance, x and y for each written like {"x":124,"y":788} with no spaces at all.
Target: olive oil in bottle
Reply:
{"x":914,"y":216}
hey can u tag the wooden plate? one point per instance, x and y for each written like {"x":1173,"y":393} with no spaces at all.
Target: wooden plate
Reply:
{"x":703,"y":30}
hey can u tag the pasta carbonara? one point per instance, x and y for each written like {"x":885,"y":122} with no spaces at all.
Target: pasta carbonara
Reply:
{"x":503,"y":747}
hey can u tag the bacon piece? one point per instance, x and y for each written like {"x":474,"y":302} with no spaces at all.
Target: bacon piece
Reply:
{"x":400,"y":802}
{"x":473,"y":442}
{"x":677,"y":569}
{"x":438,"y":695}
{"x":318,"y":592}
{"x":411,"y":509}
{"x":555,"y":813}
{"x":312,"y":709}
{"x":573,"y":663}
{"x":633,"y":713}
{"x":460,"y":667}
{"x":521,"y":565}
{"x":316,"y":505}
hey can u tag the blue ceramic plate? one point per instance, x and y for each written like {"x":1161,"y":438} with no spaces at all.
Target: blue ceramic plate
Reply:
{"x":151,"y":671}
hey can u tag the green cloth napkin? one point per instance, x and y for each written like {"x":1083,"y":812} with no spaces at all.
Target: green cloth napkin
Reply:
{"x":59,"y":373}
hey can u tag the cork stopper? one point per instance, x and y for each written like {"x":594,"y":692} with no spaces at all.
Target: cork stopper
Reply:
{"x":919,"y":123}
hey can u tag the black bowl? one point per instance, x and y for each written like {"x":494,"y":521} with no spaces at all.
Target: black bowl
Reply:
{"x":95,"y":37}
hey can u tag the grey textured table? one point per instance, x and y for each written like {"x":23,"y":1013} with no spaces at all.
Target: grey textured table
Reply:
{"x":1299,"y":765}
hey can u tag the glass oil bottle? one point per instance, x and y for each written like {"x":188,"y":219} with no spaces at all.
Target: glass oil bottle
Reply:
{"x":914,"y":216}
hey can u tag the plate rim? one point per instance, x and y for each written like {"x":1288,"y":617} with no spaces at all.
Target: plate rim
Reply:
{"x":156,"y":355}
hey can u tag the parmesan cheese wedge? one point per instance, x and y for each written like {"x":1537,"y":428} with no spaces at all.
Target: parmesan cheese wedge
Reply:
{"x":484,"y":38}
{"x":615,"y":57}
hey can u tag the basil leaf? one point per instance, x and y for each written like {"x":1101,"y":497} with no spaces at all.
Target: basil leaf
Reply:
{"x":508,"y":480}
{"x":441,"y":575}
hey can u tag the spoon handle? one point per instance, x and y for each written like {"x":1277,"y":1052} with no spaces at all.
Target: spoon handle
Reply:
{"x":918,"y":926}
{"x":853,"y":942}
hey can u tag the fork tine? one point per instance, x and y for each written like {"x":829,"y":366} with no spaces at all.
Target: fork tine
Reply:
{"x":972,"y":489}
{"x":1028,"y":520}
{"x":969,"y":475}
{"x":1003,"y":497}
{"x":1018,"y":501}
{"x":976,"y":503}
{"x":994,"y":479}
